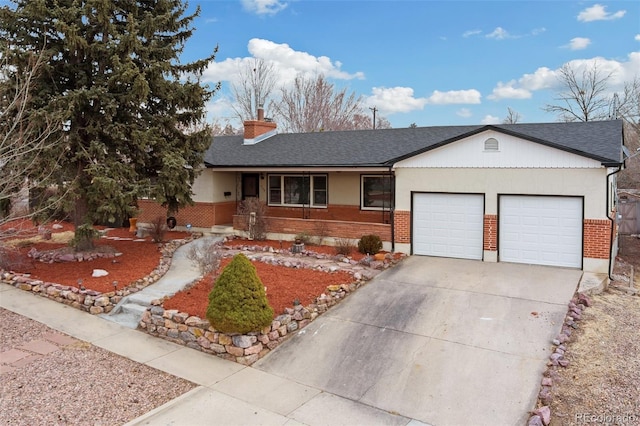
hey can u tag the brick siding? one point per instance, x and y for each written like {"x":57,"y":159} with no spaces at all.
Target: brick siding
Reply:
{"x":402,"y":226}
{"x":597,"y":238}
{"x":490,"y":232}
{"x":202,"y":215}
{"x":330,"y":228}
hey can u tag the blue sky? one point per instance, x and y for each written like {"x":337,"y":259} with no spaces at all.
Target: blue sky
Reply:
{"x":423,"y":62}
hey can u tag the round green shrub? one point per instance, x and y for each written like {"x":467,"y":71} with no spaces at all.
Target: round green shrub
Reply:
{"x":369,"y":244}
{"x":238,"y":302}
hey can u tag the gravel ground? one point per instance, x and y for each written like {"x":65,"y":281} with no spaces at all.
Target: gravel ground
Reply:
{"x":75,"y":384}
{"x":601,"y":385}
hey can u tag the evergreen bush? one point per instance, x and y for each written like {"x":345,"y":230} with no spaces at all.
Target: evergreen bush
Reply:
{"x":369,"y":244}
{"x":238,"y":301}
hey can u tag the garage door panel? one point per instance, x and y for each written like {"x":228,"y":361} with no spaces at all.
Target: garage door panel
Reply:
{"x":448,"y":225}
{"x":541,"y":230}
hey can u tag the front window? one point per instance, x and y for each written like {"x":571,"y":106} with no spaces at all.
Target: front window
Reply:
{"x":298,"y":190}
{"x":376,"y":192}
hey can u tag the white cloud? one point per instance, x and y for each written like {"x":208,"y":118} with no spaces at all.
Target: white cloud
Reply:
{"x":390,"y":100}
{"x":288,"y":63}
{"x":464,"y":112}
{"x":545,"y":78}
{"x":538,"y":31}
{"x":471,"y":96}
{"x":490,"y":119}
{"x":264,"y":7}
{"x":597,"y":12}
{"x":637,"y":37}
{"x":499,"y":34}
{"x":578,"y":43}
{"x":471,"y":33}
{"x":508,"y":91}
{"x":542,"y":78}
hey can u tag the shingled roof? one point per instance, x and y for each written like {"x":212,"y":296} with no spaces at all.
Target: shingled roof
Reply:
{"x":598,"y":140}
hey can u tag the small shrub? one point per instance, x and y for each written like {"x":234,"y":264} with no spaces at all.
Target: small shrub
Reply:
{"x":12,"y":260}
{"x":238,"y":301}
{"x":321,"y":230}
{"x":303,"y":237}
{"x":369,"y":244}
{"x":158,"y":229}
{"x":344,"y":246}
{"x":84,"y":237}
{"x":257,"y":225}
{"x":206,"y":257}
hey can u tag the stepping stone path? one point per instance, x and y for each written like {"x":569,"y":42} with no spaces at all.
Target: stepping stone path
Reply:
{"x":33,"y":351}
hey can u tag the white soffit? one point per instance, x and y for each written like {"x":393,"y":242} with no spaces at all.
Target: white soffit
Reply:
{"x":512,"y":152}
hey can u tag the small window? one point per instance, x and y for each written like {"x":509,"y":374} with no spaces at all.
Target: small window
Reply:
{"x":376,"y":192}
{"x":491,"y":144}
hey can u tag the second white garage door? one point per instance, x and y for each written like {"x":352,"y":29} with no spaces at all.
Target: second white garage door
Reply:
{"x":448,"y":225}
{"x":541,"y":230}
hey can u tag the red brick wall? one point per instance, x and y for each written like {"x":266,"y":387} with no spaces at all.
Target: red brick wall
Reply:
{"x":332,"y":212}
{"x":402,"y":226}
{"x":491,"y":232}
{"x":330,"y":228}
{"x":597,"y":238}
{"x":255,"y":128}
{"x":202,"y":215}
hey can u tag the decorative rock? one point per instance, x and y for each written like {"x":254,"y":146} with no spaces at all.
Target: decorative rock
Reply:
{"x":95,"y":310}
{"x":544,"y":413}
{"x":102,"y":301}
{"x":99,"y":273}
{"x":535,"y":421}
{"x":255,"y":349}
{"x":244,"y":341}
{"x":545,"y":395}
{"x":224,"y":339}
{"x":234,"y":350}
{"x":187,"y":337}
{"x":547,"y":381}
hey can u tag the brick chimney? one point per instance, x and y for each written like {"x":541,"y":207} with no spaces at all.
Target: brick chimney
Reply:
{"x":258,"y":130}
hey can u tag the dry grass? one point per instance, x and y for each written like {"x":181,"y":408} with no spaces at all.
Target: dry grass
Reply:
{"x":56,"y":238}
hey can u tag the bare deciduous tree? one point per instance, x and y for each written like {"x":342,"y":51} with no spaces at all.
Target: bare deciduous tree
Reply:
{"x":512,"y":117}
{"x":627,"y":108}
{"x":257,"y":80}
{"x":312,"y":104}
{"x":24,"y":137}
{"x":584,"y":94}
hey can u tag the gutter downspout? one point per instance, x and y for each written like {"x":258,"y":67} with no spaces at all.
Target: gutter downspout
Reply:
{"x":612,"y":219}
{"x":392,"y":209}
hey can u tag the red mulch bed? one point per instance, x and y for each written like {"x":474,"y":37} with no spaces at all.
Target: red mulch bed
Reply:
{"x":284,"y":285}
{"x":137,"y":261}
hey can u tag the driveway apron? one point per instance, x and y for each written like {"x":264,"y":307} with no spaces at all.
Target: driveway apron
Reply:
{"x":443,"y":341}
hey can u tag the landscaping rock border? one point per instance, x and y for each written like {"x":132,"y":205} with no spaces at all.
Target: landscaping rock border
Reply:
{"x":93,"y":301}
{"x":541,"y":416}
{"x":196,"y":333}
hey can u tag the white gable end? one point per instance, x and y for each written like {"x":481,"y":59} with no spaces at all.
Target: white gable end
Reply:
{"x":493,"y":149}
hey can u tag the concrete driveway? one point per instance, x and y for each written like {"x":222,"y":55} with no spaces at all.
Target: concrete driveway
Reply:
{"x":442,"y":341}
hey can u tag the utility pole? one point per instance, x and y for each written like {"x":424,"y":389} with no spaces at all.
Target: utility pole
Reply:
{"x":374,"y":109}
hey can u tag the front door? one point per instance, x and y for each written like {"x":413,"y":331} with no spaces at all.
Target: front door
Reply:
{"x":250,"y":185}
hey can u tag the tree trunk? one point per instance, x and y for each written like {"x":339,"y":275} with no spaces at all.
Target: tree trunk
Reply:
{"x":82,"y":240}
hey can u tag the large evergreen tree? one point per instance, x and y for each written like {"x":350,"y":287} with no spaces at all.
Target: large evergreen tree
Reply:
{"x":128,"y":102}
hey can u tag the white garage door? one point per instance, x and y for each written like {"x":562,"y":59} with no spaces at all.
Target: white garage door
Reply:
{"x":541,"y":230}
{"x":448,"y":225}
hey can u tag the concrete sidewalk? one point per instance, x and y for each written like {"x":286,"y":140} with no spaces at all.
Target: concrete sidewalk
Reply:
{"x":228,"y":393}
